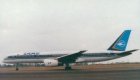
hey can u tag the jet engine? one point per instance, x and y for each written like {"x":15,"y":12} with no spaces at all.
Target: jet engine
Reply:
{"x":51,"y":62}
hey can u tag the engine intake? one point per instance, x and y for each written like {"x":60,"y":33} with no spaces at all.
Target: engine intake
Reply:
{"x":51,"y":62}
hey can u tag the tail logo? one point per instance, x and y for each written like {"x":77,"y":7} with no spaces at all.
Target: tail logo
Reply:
{"x":121,"y":43}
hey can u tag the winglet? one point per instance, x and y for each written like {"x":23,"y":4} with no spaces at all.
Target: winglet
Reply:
{"x":82,"y":51}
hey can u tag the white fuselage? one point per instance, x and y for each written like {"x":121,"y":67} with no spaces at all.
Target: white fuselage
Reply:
{"x":86,"y":57}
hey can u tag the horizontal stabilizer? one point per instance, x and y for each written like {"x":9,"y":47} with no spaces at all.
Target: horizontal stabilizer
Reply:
{"x":130,"y":51}
{"x":126,"y":53}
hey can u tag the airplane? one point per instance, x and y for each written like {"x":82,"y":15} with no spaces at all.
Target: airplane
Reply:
{"x":116,"y":50}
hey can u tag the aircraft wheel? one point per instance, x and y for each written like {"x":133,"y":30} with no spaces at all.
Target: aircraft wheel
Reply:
{"x":68,"y":68}
{"x":17,"y":69}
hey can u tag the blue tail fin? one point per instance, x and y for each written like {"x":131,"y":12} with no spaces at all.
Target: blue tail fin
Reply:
{"x":121,"y":42}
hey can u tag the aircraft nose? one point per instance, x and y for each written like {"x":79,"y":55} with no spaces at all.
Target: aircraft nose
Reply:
{"x":4,"y":60}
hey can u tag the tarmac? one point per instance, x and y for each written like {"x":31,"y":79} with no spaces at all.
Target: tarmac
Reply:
{"x":92,"y":72}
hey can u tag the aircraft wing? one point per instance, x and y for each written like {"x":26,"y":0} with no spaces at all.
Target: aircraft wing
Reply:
{"x":71,"y":57}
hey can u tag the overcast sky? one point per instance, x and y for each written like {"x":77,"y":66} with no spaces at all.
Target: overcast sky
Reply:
{"x":67,"y":25}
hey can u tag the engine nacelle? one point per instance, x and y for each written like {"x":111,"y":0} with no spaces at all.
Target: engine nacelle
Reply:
{"x":51,"y":62}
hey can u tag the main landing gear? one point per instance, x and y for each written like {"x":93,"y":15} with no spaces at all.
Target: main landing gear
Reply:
{"x":68,"y":67}
{"x":17,"y":68}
